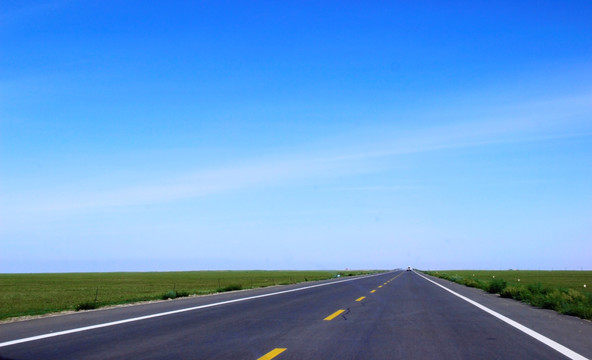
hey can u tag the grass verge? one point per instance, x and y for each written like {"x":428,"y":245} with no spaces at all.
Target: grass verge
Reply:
{"x":566,"y":292}
{"x":37,"y":294}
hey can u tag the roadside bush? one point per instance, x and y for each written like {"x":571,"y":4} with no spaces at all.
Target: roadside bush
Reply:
{"x":515,"y":292}
{"x":576,"y":295}
{"x":456,"y":279}
{"x":580,"y":310}
{"x":343,"y":274}
{"x":174,"y":294}
{"x":563,"y":300}
{"x":169,"y":295}
{"x":496,"y":286}
{"x":231,"y":287}
{"x":537,"y":296}
{"x":537,"y":300}
{"x":87,"y":305}
{"x":537,"y":289}
{"x":554,"y":300}
{"x":473,"y":283}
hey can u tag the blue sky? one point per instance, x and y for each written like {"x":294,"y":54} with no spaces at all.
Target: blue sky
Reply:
{"x":144,"y":136}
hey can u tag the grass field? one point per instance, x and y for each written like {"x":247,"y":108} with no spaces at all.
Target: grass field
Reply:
{"x":568,"y":292}
{"x":36,"y":294}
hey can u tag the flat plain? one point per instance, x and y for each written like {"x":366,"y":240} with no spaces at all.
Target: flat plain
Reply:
{"x":37,"y":294}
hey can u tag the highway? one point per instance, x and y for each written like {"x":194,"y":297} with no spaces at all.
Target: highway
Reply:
{"x":394,"y":315}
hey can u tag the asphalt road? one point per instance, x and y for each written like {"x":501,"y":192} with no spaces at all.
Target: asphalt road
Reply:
{"x":396,"y":315}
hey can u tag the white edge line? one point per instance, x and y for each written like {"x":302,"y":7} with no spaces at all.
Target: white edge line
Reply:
{"x":545,"y":340}
{"x":113,"y":323}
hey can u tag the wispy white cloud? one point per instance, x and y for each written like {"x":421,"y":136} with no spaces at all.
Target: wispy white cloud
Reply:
{"x":552,"y":119}
{"x":538,"y":121}
{"x":373,"y":188}
{"x":266,"y":172}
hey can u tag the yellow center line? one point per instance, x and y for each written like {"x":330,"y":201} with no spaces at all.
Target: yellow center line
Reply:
{"x":334,"y":315}
{"x":379,"y":286}
{"x":397,"y":276}
{"x":360,"y":298}
{"x":273,"y":353}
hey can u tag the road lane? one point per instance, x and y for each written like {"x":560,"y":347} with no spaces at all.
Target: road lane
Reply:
{"x":407,"y":319}
{"x":394,"y":315}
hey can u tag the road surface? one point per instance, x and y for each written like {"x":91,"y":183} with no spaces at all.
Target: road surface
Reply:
{"x":394,"y":315}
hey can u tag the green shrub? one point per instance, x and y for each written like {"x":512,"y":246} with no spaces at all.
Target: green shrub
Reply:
{"x":574,"y":295}
{"x":579,"y":310}
{"x":553,"y":300}
{"x":174,"y":294}
{"x":515,"y":292}
{"x":231,"y":287}
{"x":496,"y":286}
{"x":473,"y":283}
{"x":169,"y":295}
{"x":536,"y":299}
{"x":456,"y":279}
{"x":565,"y":301}
{"x":537,"y":288}
{"x":343,"y":273}
{"x":447,"y":277}
{"x":87,"y":305}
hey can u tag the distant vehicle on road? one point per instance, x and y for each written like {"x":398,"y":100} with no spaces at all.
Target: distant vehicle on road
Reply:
{"x":408,"y":268}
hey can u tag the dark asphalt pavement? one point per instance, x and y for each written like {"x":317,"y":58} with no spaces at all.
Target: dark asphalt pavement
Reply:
{"x":401,"y":316}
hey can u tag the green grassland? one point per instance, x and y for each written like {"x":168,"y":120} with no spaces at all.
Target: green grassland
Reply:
{"x":36,"y":294}
{"x":568,"y":292}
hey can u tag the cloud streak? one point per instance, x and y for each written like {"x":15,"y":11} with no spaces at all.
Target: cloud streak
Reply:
{"x":553,"y":119}
{"x":535,"y":122}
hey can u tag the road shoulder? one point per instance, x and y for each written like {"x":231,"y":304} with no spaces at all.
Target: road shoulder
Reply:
{"x":571,"y":332}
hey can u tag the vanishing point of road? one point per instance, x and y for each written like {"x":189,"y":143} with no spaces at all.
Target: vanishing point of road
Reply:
{"x":393,"y":315}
